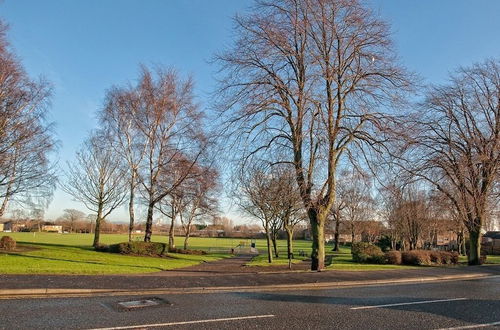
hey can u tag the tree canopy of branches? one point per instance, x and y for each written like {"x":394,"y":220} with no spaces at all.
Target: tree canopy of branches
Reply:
{"x":26,"y":138}
{"x":157,"y":130}
{"x":119,"y":119}
{"x":71,"y":216}
{"x":454,"y":144}
{"x":354,"y":201}
{"x":255,"y":196}
{"x":306,"y":78}
{"x":95,"y":178}
{"x":192,"y":200}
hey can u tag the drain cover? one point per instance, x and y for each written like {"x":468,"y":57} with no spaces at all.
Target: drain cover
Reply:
{"x":138,"y":304}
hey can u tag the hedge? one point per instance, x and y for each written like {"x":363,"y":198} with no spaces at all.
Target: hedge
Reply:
{"x":367,"y":253}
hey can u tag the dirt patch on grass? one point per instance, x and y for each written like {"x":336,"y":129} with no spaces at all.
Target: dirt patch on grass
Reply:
{"x":21,"y":248}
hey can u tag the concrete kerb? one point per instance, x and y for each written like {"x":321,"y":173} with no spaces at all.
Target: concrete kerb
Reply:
{"x":61,"y":292}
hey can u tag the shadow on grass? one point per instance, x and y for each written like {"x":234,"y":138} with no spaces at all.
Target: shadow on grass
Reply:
{"x":81,"y":247}
{"x":84,"y":262}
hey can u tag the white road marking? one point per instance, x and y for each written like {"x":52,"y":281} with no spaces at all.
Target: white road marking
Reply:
{"x":142,"y":326}
{"x":474,"y":326}
{"x":408,"y":303}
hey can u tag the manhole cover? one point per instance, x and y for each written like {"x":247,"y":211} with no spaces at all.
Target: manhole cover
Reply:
{"x":138,"y":304}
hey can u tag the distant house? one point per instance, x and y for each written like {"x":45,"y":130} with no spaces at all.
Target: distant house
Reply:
{"x":12,"y":226}
{"x":52,"y":229}
{"x":445,"y":240}
{"x":491,"y":242}
{"x":1,"y":226}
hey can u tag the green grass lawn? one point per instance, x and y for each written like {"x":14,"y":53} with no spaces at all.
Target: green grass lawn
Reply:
{"x":51,"y":253}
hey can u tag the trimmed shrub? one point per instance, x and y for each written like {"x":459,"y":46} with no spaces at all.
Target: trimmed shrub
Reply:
{"x":367,"y":253}
{"x":384,"y":243}
{"x":139,"y":248}
{"x":7,"y":243}
{"x":416,"y":257}
{"x":393,"y":257}
{"x":454,"y":258}
{"x":436,"y":257}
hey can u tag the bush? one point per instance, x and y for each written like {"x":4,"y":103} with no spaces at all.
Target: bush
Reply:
{"x":7,"y":243}
{"x":393,"y":257}
{"x":436,"y":257}
{"x":416,"y":257}
{"x":384,"y":243}
{"x":139,"y":248}
{"x":454,"y":258}
{"x":367,"y":253}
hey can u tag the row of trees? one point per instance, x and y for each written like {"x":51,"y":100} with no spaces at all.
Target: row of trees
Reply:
{"x":315,"y":85}
{"x":309,"y":88}
{"x":151,"y":142}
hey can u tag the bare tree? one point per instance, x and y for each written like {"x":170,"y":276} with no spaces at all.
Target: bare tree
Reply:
{"x":71,"y":216}
{"x":201,"y":200}
{"x":26,"y":138}
{"x":255,"y":197}
{"x":355,"y":201}
{"x":119,"y":118}
{"x":454,"y":144}
{"x":95,"y":178}
{"x":169,"y":124}
{"x":306,"y":77}
{"x":287,"y":205}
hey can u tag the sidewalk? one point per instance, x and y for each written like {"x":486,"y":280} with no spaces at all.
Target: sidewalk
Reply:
{"x":211,"y":276}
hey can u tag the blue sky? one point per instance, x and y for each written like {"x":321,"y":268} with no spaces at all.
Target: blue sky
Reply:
{"x":85,"y":46}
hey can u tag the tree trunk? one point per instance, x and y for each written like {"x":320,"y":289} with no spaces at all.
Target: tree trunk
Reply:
{"x":268,"y":238}
{"x":352,"y":236}
{"x":464,"y":248}
{"x":149,"y":223}
{"x":337,"y":235}
{"x":171,"y":242}
{"x":474,"y":247}
{"x":186,"y":240}
{"x":318,"y":243}
{"x":275,"y":245}
{"x":97,"y":230}
{"x":289,"y":246}
{"x":131,"y":209}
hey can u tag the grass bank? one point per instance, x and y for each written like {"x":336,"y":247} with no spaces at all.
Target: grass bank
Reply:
{"x":51,"y":253}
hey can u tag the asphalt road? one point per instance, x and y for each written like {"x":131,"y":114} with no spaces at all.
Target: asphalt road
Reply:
{"x":453,"y":304}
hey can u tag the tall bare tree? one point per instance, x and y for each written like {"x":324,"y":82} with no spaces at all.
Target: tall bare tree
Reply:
{"x":169,"y":123}
{"x":307,"y":77}
{"x":26,"y":138}
{"x":454,"y":144}
{"x":95,"y":178}
{"x":119,"y":118}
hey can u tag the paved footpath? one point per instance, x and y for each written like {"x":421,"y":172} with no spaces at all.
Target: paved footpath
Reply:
{"x":230,"y":273}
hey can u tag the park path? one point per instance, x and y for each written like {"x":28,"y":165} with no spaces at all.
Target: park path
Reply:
{"x":228,"y":266}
